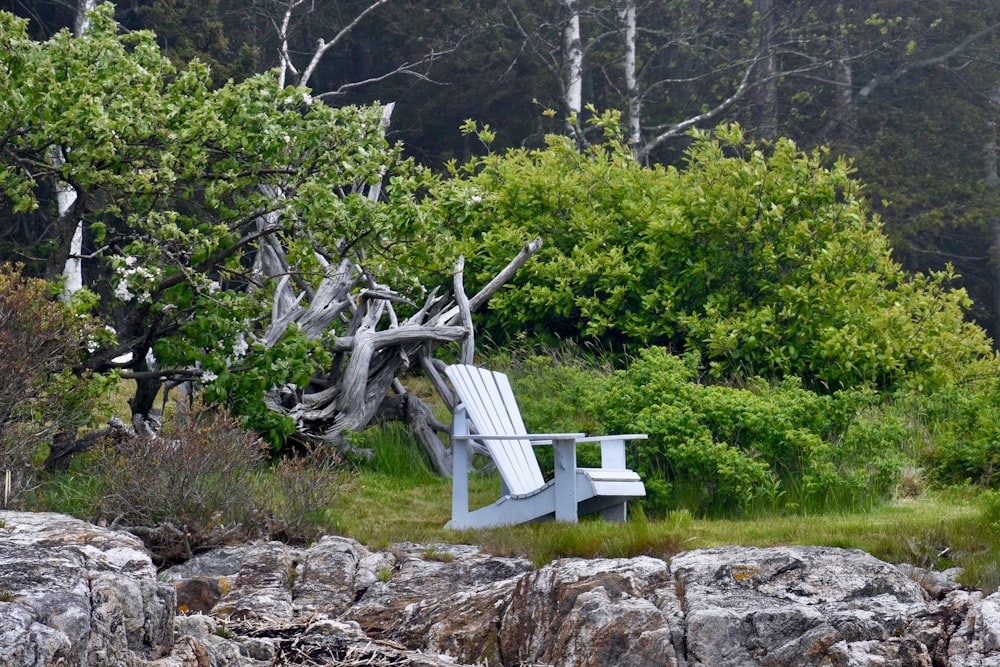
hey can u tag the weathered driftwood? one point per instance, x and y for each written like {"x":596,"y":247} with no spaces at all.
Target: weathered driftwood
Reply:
{"x":375,"y":349}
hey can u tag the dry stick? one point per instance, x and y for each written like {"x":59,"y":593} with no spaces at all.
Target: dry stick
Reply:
{"x":465,"y":315}
{"x":442,"y":388}
{"x":498,"y":281}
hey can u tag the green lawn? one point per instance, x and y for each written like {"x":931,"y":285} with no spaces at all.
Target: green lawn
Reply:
{"x":937,"y":530}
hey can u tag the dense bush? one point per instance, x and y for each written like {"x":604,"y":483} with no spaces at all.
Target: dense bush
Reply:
{"x":956,"y":431}
{"x":725,"y":450}
{"x":764,"y":259}
{"x":40,"y":396}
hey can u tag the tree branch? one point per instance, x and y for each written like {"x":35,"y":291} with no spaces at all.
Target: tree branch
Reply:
{"x":322,"y":47}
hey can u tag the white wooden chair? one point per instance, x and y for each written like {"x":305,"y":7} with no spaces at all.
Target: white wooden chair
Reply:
{"x":487,"y":401}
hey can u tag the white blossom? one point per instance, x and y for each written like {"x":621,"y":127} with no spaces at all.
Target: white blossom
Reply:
{"x":122,"y":292}
{"x":240,"y":347}
{"x":208,"y":376}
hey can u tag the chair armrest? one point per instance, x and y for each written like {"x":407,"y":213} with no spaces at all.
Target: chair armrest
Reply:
{"x":602,"y":438}
{"x":534,"y":438}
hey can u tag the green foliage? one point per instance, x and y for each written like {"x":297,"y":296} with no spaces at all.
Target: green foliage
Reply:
{"x":724,"y":450}
{"x":957,"y":431}
{"x":760,"y":258}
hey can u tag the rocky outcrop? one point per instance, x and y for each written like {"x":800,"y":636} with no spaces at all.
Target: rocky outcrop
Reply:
{"x":810,"y":606}
{"x":74,"y":594}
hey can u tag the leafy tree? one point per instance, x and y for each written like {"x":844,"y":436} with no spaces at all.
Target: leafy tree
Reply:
{"x":758,"y":256}
{"x":181,"y":185}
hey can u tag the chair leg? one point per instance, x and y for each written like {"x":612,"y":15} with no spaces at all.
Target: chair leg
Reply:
{"x":460,"y":474}
{"x":564,"y":452}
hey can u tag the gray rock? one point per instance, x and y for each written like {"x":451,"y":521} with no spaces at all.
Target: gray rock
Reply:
{"x":78,"y":594}
{"x":977,"y":641}
{"x":800,"y":606}
{"x":441,"y":599}
{"x":335,"y":572}
{"x":589,"y":612}
{"x":937,"y":584}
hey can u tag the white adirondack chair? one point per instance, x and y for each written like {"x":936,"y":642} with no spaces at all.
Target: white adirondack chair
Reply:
{"x":487,"y":400}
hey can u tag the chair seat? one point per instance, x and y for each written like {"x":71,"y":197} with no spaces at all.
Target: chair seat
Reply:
{"x":592,"y":482}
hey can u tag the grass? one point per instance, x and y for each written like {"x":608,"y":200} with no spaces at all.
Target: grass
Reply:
{"x":395,"y":497}
{"x":936,"y":530}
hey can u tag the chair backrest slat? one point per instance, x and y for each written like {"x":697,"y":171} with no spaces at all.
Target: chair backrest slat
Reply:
{"x":489,"y":400}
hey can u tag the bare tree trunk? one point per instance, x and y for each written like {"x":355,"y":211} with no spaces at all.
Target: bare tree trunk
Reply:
{"x":628,"y":19}
{"x":766,"y":90}
{"x":374,"y":350}
{"x":841,"y":124}
{"x":573,"y":67}
{"x":843,"y":109}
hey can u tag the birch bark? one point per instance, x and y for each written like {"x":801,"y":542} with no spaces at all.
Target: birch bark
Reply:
{"x":66,"y":195}
{"x":573,"y":67}
{"x":627,"y":17}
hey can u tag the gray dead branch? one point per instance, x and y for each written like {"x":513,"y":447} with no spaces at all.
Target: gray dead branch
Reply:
{"x":375,"y":348}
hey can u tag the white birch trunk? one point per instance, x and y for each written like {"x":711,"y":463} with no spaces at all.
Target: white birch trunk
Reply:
{"x":627,"y":16}
{"x":573,"y":64}
{"x":82,"y":22}
{"x":73,"y":269}
{"x":65,"y":193}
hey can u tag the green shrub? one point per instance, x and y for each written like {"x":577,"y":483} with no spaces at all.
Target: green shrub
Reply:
{"x":764,"y":259}
{"x":725,"y":450}
{"x":957,"y":431}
